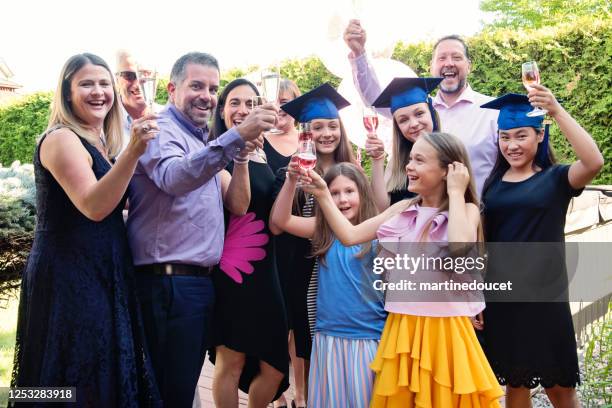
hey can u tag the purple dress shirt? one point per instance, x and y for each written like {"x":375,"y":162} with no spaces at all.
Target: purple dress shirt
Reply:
{"x":176,"y":208}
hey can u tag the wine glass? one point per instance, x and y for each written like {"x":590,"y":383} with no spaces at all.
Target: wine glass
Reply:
{"x":306,"y":155}
{"x":304,"y":132}
{"x":531,"y":75}
{"x":147,"y":78}
{"x":370,"y":120}
{"x":270,"y":83}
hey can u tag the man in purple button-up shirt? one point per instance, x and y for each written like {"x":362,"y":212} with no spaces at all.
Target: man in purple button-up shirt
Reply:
{"x":175,"y":223}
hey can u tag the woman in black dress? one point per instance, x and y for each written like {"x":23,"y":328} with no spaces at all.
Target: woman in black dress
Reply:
{"x":78,"y":321}
{"x":279,"y":148}
{"x":525,"y":200}
{"x":250,"y":328}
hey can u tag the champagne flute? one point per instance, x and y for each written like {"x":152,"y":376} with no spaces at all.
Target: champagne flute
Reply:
{"x":270,"y":82}
{"x":147,"y":78}
{"x":531,"y":75}
{"x":370,"y":120}
{"x":255,"y":102}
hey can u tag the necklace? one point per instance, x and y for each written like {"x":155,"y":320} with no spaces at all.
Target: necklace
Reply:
{"x":258,"y":155}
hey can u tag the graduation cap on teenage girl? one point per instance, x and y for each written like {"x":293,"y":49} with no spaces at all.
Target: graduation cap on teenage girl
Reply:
{"x":513,"y":109}
{"x":323,"y":102}
{"x":402,"y":92}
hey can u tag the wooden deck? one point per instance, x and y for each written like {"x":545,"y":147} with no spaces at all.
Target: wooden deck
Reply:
{"x":204,"y":391}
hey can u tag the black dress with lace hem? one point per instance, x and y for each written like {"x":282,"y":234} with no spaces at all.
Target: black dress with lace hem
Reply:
{"x":530,"y":343}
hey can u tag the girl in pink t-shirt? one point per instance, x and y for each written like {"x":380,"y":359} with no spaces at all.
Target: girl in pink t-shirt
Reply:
{"x":429,"y":355}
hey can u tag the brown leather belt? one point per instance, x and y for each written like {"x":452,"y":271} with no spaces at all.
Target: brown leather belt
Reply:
{"x":175,"y":269}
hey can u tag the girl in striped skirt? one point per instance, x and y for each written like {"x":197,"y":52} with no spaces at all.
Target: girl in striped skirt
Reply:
{"x":350,"y":313}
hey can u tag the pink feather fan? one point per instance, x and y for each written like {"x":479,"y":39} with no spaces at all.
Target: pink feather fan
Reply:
{"x":243,"y":244}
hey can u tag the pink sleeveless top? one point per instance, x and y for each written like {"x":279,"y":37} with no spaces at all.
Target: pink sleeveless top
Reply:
{"x":401,"y":235}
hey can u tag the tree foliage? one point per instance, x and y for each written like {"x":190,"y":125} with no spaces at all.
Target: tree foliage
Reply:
{"x":541,"y":13}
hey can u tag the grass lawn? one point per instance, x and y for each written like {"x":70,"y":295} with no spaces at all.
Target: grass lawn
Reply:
{"x":8,"y":323}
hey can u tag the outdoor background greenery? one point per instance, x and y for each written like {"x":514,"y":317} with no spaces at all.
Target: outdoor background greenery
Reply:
{"x":574,"y":59}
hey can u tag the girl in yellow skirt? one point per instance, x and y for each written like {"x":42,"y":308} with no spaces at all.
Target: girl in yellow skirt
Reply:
{"x":428,"y":355}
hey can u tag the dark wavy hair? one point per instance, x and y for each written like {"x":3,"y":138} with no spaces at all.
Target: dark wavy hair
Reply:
{"x":218,"y":124}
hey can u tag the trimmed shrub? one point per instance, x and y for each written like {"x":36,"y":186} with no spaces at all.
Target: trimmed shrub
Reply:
{"x":17,"y":220}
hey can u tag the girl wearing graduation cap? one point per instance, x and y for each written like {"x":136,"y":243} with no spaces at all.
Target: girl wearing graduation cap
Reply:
{"x":429,"y":355}
{"x":320,"y":108}
{"x":413,"y":114}
{"x":525,"y":200}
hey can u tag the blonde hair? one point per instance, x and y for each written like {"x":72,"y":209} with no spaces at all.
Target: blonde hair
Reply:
{"x":450,"y":149}
{"x":62,"y":113}
{"x":400,"y":148}
{"x":287,"y":85}
{"x":324,"y":237}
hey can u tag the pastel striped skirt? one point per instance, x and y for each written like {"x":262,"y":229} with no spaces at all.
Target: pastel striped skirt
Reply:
{"x":340,"y":374}
{"x":433,"y":362}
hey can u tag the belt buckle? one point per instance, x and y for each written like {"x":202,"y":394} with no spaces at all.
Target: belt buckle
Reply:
{"x":168,"y":269}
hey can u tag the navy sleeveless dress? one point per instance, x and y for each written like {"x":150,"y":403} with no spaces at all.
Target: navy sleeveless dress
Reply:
{"x":78,"y":322}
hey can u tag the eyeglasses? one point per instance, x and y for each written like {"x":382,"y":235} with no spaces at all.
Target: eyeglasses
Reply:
{"x":127,"y":75}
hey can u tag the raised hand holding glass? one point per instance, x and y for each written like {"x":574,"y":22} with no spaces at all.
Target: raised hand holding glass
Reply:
{"x":531,"y":76}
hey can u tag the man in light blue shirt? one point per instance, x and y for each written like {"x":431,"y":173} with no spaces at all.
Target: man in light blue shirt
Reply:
{"x":175,"y":223}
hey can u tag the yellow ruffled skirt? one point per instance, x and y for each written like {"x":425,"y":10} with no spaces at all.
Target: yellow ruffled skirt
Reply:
{"x":432,"y":362}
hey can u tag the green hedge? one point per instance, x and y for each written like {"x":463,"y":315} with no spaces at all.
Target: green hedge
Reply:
{"x":20,"y":124}
{"x":573,"y":59}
